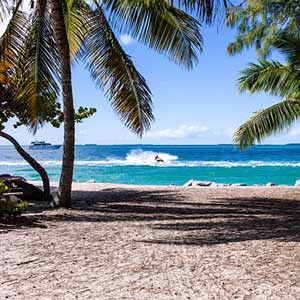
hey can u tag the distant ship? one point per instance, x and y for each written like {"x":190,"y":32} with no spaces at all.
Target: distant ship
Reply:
{"x":42,"y":145}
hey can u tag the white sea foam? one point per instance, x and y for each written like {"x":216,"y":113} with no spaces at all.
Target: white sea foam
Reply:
{"x":139,"y":157}
{"x":232,"y":164}
{"x":13,"y":163}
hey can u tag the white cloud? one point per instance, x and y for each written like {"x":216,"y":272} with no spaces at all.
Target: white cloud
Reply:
{"x":183,"y":131}
{"x":126,"y":39}
{"x":294,"y":132}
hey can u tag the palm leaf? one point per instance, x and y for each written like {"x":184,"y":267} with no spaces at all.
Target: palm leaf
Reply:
{"x":39,"y":67}
{"x":76,"y":19}
{"x":271,"y":77}
{"x":205,"y":9}
{"x":113,"y":70}
{"x":159,"y":25}
{"x":288,"y":43}
{"x":12,"y":39}
{"x":266,"y":122}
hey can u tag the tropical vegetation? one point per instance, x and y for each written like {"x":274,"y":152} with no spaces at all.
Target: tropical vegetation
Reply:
{"x":10,"y":207}
{"x":58,"y":33}
{"x":268,"y":26}
{"x":277,"y":79}
{"x":14,"y":106}
{"x":258,"y":23}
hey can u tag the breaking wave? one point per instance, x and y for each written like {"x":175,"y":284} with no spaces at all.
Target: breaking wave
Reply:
{"x":140,"y":157}
{"x":147,"y":158}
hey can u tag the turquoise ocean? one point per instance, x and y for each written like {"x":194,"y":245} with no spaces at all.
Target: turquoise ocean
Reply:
{"x":135,"y":164}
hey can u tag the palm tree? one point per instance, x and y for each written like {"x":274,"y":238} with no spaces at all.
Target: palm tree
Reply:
{"x":84,"y":31}
{"x":278,"y":79}
{"x":27,"y":92}
{"x":14,"y":106}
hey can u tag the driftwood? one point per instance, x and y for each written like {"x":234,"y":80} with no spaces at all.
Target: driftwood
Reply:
{"x":19,"y":184}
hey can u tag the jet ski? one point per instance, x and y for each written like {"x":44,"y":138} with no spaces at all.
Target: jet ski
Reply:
{"x":158,"y":159}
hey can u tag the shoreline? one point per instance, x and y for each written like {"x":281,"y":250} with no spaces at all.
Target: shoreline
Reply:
{"x":77,"y":185}
{"x":156,"y":242}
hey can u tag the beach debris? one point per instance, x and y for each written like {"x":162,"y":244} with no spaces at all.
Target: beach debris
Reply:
{"x":19,"y":184}
{"x":91,"y":181}
{"x":203,"y":183}
{"x":297,"y":183}
{"x":270,"y":184}
{"x":189,"y":183}
{"x":214,"y":184}
{"x":193,"y":182}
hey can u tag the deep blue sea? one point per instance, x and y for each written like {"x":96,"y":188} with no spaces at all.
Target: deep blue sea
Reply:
{"x":135,"y":164}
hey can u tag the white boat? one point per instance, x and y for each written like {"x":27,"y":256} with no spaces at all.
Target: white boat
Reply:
{"x":42,"y":145}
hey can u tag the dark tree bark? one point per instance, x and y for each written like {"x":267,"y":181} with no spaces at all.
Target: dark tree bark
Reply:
{"x":33,"y":163}
{"x":65,"y":185}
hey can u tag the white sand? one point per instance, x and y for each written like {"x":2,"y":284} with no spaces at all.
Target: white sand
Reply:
{"x":155,"y":243}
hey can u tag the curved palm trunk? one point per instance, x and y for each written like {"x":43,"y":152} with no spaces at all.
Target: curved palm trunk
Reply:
{"x":65,"y":185}
{"x":33,"y":163}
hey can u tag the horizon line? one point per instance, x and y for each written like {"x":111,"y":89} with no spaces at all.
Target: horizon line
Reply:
{"x":133,"y":144}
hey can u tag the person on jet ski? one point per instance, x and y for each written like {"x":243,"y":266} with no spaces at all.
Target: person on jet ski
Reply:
{"x":158,"y":159}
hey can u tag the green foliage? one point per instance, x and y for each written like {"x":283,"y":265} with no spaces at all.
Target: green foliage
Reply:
{"x":38,"y":68}
{"x":50,"y":112}
{"x":159,"y":25}
{"x":30,"y":70}
{"x":271,"y":120}
{"x":258,"y":23}
{"x":84,"y":113}
{"x":3,"y":188}
{"x":114,"y":71}
{"x":271,"y":77}
{"x":206,"y":10}
{"x":10,"y":207}
{"x":168,"y":27}
{"x":277,"y":79}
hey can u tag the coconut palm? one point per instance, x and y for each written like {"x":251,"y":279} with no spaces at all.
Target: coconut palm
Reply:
{"x":278,"y":79}
{"x":78,"y":30}
{"x":32,"y":102}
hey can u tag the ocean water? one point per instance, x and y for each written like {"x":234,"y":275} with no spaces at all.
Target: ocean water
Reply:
{"x":135,"y":164}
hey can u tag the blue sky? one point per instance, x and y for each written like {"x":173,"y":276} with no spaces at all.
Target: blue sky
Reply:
{"x":201,"y":106}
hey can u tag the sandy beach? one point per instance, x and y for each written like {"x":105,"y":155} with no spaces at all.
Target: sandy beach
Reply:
{"x":156,"y":243}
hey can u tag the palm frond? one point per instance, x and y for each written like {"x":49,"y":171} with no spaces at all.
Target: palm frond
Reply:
{"x":113,"y":70}
{"x":288,"y":43}
{"x":266,"y":122}
{"x":76,"y":19}
{"x":39,"y":66}
{"x":271,"y":77}
{"x":206,"y":10}
{"x":12,"y":39}
{"x":159,"y":25}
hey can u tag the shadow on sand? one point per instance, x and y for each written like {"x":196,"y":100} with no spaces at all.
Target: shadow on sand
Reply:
{"x":202,"y":222}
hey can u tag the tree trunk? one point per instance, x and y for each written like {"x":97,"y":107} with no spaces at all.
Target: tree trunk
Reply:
{"x":65,"y":185}
{"x":33,"y":163}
